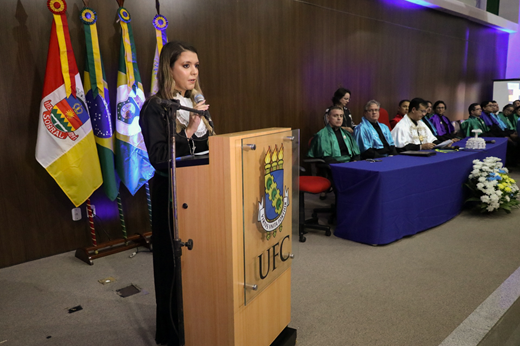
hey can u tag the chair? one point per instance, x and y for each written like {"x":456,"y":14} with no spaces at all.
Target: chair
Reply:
{"x":384,"y":118}
{"x":314,"y":185}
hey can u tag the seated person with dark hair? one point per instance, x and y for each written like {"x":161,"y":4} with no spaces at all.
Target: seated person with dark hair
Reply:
{"x":373,"y":138}
{"x":426,"y":118}
{"x":515,"y":117}
{"x":508,"y":117}
{"x":495,"y":125}
{"x":333,"y":143}
{"x":341,"y":98}
{"x":475,"y":122}
{"x":443,"y":128}
{"x":411,"y":133}
{"x":401,"y":112}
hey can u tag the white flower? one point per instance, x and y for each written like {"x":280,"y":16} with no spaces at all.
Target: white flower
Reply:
{"x":485,"y":199}
{"x":490,"y":208}
{"x":493,"y":197}
{"x":480,"y":186}
{"x":488,"y":184}
{"x":508,"y":199}
{"x":482,"y":179}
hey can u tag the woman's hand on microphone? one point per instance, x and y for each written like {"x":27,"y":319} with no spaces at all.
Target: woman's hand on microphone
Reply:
{"x":201,"y":106}
{"x":195,"y":118}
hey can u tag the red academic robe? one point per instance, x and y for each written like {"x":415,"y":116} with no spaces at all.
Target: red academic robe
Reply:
{"x":395,"y":120}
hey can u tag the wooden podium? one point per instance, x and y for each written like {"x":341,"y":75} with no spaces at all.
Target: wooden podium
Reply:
{"x":238,"y":211}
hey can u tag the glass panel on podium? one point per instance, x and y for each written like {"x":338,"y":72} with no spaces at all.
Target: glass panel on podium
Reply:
{"x":270,"y":183}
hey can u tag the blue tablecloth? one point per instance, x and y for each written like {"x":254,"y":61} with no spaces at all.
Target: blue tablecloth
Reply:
{"x":381,"y":202}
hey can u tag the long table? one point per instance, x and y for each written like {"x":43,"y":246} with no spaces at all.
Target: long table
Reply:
{"x":381,"y":202}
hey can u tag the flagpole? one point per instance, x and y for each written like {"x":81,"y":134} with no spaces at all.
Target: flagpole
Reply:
{"x":91,"y":223}
{"x":121,"y":216}
{"x":149,"y":202}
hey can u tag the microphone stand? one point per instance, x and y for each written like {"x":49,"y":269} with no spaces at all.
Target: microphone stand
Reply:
{"x":173,"y":106}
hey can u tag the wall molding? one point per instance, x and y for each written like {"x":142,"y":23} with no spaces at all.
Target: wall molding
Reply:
{"x":469,"y":12}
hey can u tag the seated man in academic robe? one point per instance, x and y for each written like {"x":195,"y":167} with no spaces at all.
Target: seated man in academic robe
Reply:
{"x":475,"y":122}
{"x":373,"y":138}
{"x":495,"y":126}
{"x":411,"y":133}
{"x":401,"y":111}
{"x":509,"y":117}
{"x":333,"y":143}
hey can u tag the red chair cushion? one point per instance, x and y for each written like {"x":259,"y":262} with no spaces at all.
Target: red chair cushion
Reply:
{"x":384,"y":118}
{"x":314,"y":184}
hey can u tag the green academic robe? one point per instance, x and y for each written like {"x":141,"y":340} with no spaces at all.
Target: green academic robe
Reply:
{"x":325,"y":144}
{"x":506,"y":121}
{"x":473,"y":123}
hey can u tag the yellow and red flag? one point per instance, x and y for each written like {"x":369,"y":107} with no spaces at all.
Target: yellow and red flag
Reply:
{"x":65,"y":146}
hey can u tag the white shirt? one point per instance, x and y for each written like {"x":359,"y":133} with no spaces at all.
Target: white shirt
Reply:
{"x":406,"y":132}
{"x":184,"y":116}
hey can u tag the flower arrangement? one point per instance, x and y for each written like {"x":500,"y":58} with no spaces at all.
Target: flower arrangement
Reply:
{"x":491,"y":187}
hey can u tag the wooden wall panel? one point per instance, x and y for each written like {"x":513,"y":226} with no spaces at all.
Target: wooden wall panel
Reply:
{"x":263,"y":64}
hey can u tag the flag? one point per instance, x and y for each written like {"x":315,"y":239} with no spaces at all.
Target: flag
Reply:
{"x":65,"y":146}
{"x":132,"y":162}
{"x":160,"y":23}
{"x":98,"y":102}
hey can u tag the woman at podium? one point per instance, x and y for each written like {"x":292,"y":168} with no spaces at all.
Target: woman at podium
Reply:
{"x":178,"y":79}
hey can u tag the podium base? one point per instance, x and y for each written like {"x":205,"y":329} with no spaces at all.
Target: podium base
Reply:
{"x":286,"y":338}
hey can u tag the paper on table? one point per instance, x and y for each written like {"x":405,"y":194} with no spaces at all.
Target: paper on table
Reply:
{"x":443,"y":144}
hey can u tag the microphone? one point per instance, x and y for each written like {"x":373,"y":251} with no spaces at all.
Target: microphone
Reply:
{"x":199,"y":98}
{"x":173,"y":103}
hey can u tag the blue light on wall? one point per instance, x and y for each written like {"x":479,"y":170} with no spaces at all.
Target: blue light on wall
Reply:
{"x":423,"y":3}
{"x":509,"y":31}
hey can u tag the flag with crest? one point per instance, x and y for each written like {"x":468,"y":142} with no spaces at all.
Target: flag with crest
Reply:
{"x":65,"y":146}
{"x":132,"y":162}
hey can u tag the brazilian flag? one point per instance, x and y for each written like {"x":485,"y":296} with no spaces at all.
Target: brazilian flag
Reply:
{"x":98,"y":102}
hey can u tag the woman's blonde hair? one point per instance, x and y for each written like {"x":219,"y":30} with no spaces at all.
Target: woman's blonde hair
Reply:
{"x":166,"y":84}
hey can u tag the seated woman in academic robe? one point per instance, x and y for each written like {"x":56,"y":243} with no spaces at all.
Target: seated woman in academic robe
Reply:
{"x":372,"y":137}
{"x":341,"y":98}
{"x":442,"y":127}
{"x":333,"y":143}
